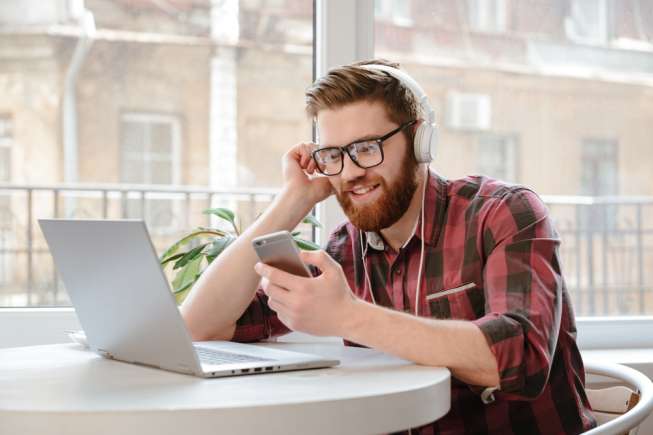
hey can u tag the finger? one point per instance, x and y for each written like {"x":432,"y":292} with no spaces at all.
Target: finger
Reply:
{"x":320,"y":259}
{"x":279,"y":295}
{"x":277,"y":307}
{"x":280,"y":277}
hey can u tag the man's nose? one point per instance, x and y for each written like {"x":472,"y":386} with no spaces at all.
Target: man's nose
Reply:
{"x":350,"y":170}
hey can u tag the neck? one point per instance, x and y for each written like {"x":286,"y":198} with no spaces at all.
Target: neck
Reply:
{"x":397,"y":234}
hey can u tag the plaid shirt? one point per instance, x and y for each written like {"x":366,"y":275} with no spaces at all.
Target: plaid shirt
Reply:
{"x":491,"y":257}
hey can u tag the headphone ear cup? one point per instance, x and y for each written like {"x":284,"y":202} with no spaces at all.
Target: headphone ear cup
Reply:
{"x":425,"y":142}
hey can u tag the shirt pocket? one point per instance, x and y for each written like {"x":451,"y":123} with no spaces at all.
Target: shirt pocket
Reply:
{"x":463,"y":302}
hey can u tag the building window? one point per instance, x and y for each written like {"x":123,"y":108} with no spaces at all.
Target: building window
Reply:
{"x":150,"y":154}
{"x":6,"y":142}
{"x":587,"y":21}
{"x":6,"y":233}
{"x":394,"y":11}
{"x":490,"y":16}
{"x":599,"y":177}
{"x":498,"y":156}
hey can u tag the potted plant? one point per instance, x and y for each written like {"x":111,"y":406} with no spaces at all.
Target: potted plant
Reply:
{"x":191,"y":254}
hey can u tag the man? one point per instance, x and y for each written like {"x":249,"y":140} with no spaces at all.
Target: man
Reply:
{"x":463,"y":273}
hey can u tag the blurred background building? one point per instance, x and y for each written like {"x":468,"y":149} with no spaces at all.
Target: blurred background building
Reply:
{"x":160,"y":108}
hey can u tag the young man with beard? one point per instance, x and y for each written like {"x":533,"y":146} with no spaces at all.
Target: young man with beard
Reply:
{"x":457,"y":273}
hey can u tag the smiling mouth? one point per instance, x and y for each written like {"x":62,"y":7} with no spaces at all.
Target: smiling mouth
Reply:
{"x":362,"y":191}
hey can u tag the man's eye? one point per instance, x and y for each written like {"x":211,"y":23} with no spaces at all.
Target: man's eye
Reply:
{"x":330,"y":156}
{"x":368,"y":147}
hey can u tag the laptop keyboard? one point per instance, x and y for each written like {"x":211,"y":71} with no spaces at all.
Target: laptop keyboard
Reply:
{"x":213,"y":356}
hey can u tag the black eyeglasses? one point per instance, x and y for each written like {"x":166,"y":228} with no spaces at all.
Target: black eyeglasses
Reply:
{"x":365,"y":153}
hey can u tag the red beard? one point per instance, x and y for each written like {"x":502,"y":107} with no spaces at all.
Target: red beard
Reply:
{"x":390,"y":207}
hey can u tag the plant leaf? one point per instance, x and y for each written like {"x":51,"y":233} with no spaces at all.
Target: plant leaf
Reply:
{"x":307,"y":245}
{"x":223,"y":213}
{"x":219,"y":244}
{"x":187,"y":238}
{"x":187,"y":275}
{"x":172,"y":258}
{"x":312,"y":220}
{"x":190,"y":255}
{"x":295,"y":233}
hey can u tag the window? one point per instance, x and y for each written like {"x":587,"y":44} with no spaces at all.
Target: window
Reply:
{"x":567,"y":126}
{"x":588,"y":21}
{"x":488,"y":16}
{"x":166,"y":111}
{"x":395,"y":11}
{"x":497,"y":156}
{"x":150,"y":149}
{"x":599,"y":178}
{"x":6,"y":142}
{"x":599,"y":174}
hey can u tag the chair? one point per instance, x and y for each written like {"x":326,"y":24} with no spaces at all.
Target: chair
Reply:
{"x":619,"y":410}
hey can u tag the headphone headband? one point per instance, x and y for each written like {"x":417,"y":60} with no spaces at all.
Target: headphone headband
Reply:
{"x":410,"y":83}
{"x":426,"y":133}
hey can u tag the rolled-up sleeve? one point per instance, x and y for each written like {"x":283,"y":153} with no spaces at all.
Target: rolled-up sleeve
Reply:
{"x":523,"y":292}
{"x":258,"y":322}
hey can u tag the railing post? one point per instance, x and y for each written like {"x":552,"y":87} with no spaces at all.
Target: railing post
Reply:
{"x":30,"y":279}
{"x":55,"y":280}
{"x":579,"y":254}
{"x":105,"y":203}
{"x":590,"y":262}
{"x":187,"y":211}
{"x":640,"y":260}
{"x":604,"y":259}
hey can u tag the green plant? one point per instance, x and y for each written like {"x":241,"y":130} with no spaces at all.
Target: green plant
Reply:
{"x":203,"y":245}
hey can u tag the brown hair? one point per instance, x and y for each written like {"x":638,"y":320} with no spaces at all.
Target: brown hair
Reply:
{"x":350,"y":84}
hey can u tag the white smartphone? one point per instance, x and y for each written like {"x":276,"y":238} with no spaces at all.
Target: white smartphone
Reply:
{"x":280,"y":250}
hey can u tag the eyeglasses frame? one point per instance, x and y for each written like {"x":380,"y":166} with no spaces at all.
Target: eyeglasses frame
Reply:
{"x":345,"y":149}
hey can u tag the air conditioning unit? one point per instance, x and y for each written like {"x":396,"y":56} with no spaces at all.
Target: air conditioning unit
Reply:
{"x":469,"y":111}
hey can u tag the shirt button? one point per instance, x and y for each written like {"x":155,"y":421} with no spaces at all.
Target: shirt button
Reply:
{"x":397,"y":271}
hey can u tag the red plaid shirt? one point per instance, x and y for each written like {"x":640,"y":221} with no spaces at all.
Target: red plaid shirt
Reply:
{"x":491,"y":257}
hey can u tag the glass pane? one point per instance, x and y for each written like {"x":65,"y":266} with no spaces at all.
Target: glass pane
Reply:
{"x":133,"y":137}
{"x":570,"y":84}
{"x":185,"y":96}
{"x":161,"y":172}
{"x":161,"y":138}
{"x":5,"y":164}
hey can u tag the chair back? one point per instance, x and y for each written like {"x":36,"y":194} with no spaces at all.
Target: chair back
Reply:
{"x":619,"y":410}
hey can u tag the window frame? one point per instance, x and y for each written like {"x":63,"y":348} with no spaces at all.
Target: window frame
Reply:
{"x":344,"y":32}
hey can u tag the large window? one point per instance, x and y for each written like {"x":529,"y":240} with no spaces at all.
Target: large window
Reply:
{"x":6,"y":148}
{"x":587,"y":21}
{"x":554,"y":95}
{"x":498,"y":156}
{"x":142,"y":109}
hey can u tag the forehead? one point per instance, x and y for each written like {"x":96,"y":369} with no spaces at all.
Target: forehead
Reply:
{"x":351,"y":122}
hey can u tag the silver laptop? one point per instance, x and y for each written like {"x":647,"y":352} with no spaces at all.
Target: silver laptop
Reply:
{"x":126,"y":308}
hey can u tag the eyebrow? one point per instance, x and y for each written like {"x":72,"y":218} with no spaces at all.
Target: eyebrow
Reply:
{"x":360,"y":139}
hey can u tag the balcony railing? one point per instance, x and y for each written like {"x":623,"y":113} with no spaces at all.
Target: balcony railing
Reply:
{"x":27,"y":273}
{"x":606,"y":250}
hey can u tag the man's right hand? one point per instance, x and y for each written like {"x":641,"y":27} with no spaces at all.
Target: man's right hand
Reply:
{"x":300,"y":173}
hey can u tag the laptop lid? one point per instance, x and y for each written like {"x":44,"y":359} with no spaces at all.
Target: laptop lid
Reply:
{"x":120,"y":293}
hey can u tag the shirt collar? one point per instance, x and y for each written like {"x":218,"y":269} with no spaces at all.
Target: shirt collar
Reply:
{"x":435,"y":204}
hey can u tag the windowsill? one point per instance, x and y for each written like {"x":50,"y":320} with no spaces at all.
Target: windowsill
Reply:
{"x":637,"y":358}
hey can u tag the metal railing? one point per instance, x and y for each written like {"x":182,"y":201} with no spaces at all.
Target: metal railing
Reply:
{"x":169,"y":212}
{"x":606,"y":250}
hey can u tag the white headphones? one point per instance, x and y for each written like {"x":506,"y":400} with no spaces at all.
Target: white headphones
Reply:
{"x":426,"y":136}
{"x":426,"y":139}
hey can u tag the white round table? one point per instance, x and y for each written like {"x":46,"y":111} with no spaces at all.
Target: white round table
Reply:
{"x":66,"y":389}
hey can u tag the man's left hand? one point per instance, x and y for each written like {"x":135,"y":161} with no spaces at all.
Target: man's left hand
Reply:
{"x":317,"y":306}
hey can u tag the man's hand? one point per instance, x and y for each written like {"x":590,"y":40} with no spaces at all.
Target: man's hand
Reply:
{"x":300,"y":173}
{"x":318,"y":306}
